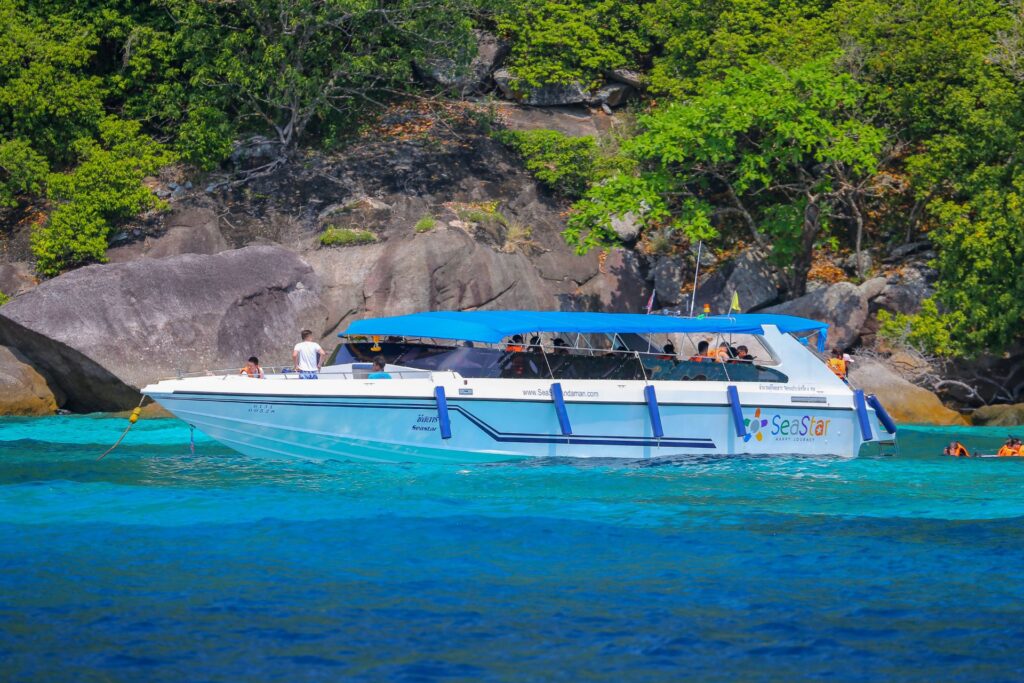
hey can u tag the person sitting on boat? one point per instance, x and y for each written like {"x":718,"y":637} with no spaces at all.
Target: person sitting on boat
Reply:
{"x":838,"y":363}
{"x":252,"y":368}
{"x":377,"y":371}
{"x":743,"y":354}
{"x":534,"y":343}
{"x":725,"y":353}
{"x":516,"y":345}
{"x":560,"y":346}
{"x":668,"y":352}
{"x":308,"y":356}
{"x":702,"y":353}
{"x":956,"y":449}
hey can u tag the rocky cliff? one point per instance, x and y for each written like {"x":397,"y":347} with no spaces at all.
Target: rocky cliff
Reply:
{"x":426,"y":212}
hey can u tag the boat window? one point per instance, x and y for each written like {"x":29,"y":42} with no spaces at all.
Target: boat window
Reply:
{"x":493,"y":361}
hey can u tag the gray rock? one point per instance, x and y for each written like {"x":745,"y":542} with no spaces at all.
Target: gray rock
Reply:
{"x":904,"y":250}
{"x":449,"y":270}
{"x":843,"y":306}
{"x":23,"y":391}
{"x":613,"y":94}
{"x":873,"y":287}
{"x":627,"y":76}
{"x":571,"y":121}
{"x":188,"y":231}
{"x":627,"y":227}
{"x":753,"y":280}
{"x":618,"y":287}
{"x":474,"y":79}
{"x":547,"y":95}
{"x":16,"y":278}
{"x":904,"y":294}
{"x":670,"y":274}
{"x":101,"y":332}
{"x":849,"y":264}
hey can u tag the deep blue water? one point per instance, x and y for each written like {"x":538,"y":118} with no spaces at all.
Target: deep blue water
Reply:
{"x":159,"y":565}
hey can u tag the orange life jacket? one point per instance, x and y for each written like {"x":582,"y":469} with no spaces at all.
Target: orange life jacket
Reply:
{"x":1020,"y":449}
{"x":838,"y":366}
{"x":258,"y":372}
{"x":1006,"y":451}
{"x":960,"y":451}
{"x":513,"y":348}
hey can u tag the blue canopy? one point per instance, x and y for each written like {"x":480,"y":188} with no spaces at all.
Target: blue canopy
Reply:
{"x":494,"y":326}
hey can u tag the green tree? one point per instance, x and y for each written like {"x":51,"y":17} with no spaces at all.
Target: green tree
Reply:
{"x":48,"y":97}
{"x":565,"y":41}
{"x":22,"y":171}
{"x":104,"y":187}
{"x":768,"y":153}
{"x":310,"y":68}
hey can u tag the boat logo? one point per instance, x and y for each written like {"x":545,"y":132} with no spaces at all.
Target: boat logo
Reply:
{"x":754,"y":427}
{"x":785,"y":428}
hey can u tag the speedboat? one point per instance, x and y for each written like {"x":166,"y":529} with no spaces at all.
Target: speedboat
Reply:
{"x":487,"y":386}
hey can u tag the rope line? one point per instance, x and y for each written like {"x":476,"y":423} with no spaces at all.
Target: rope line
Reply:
{"x":132,"y":419}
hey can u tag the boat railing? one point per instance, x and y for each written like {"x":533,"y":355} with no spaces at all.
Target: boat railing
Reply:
{"x":279,"y":373}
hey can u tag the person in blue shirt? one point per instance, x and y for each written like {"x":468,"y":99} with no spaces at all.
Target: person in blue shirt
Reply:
{"x":378,"y":369}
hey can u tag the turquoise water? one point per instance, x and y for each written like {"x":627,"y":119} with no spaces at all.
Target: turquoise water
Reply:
{"x":159,"y":565}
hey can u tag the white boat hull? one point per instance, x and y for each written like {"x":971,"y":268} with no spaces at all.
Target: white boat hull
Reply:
{"x":498,"y":420}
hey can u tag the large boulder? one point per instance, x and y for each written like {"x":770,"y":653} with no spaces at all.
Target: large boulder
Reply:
{"x":190,"y":230}
{"x":101,"y":332}
{"x":619,"y":286}
{"x":670,"y":274}
{"x":1009,"y":415}
{"x":447,"y":269}
{"x":753,"y":280}
{"x":476,"y":79}
{"x":23,"y":391}
{"x":844,"y":306}
{"x":546,"y":95}
{"x":906,"y":402}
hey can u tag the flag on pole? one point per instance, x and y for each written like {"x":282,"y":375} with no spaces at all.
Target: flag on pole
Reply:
{"x":650,"y":303}
{"x":735,"y":302}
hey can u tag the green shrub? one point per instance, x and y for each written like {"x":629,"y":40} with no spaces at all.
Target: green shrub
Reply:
{"x":346,"y":237}
{"x":563,"y":164}
{"x":104,"y":187}
{"x":22,"y":170}
{"x":4,"y":298}
{"x":204,"y":138}
{"x":425,"y":224}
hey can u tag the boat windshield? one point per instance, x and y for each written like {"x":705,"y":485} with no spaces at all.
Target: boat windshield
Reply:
{"x":620,"y":357}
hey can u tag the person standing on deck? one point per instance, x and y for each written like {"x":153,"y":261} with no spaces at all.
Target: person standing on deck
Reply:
{"x":308,"y":356}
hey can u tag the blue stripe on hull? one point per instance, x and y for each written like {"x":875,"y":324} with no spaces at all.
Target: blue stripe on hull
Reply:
{"x":495,"y":434}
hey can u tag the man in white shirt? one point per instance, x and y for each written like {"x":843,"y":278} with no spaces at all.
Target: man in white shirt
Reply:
{"x":308,"y":356}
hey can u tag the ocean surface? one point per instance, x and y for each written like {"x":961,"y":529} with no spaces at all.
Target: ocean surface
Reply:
{"x":157,"y":564}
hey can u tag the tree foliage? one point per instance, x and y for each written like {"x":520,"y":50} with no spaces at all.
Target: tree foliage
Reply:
{"x":768,"y":153}
{"x":105,"y":185}
{"x":566,"y":41}
{"x":310,"y":67}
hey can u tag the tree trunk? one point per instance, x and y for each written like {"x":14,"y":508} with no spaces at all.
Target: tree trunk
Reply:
{"x":805,"y":254}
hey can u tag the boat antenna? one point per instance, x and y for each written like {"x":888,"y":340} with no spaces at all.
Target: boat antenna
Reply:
{"x":696,"y":273}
